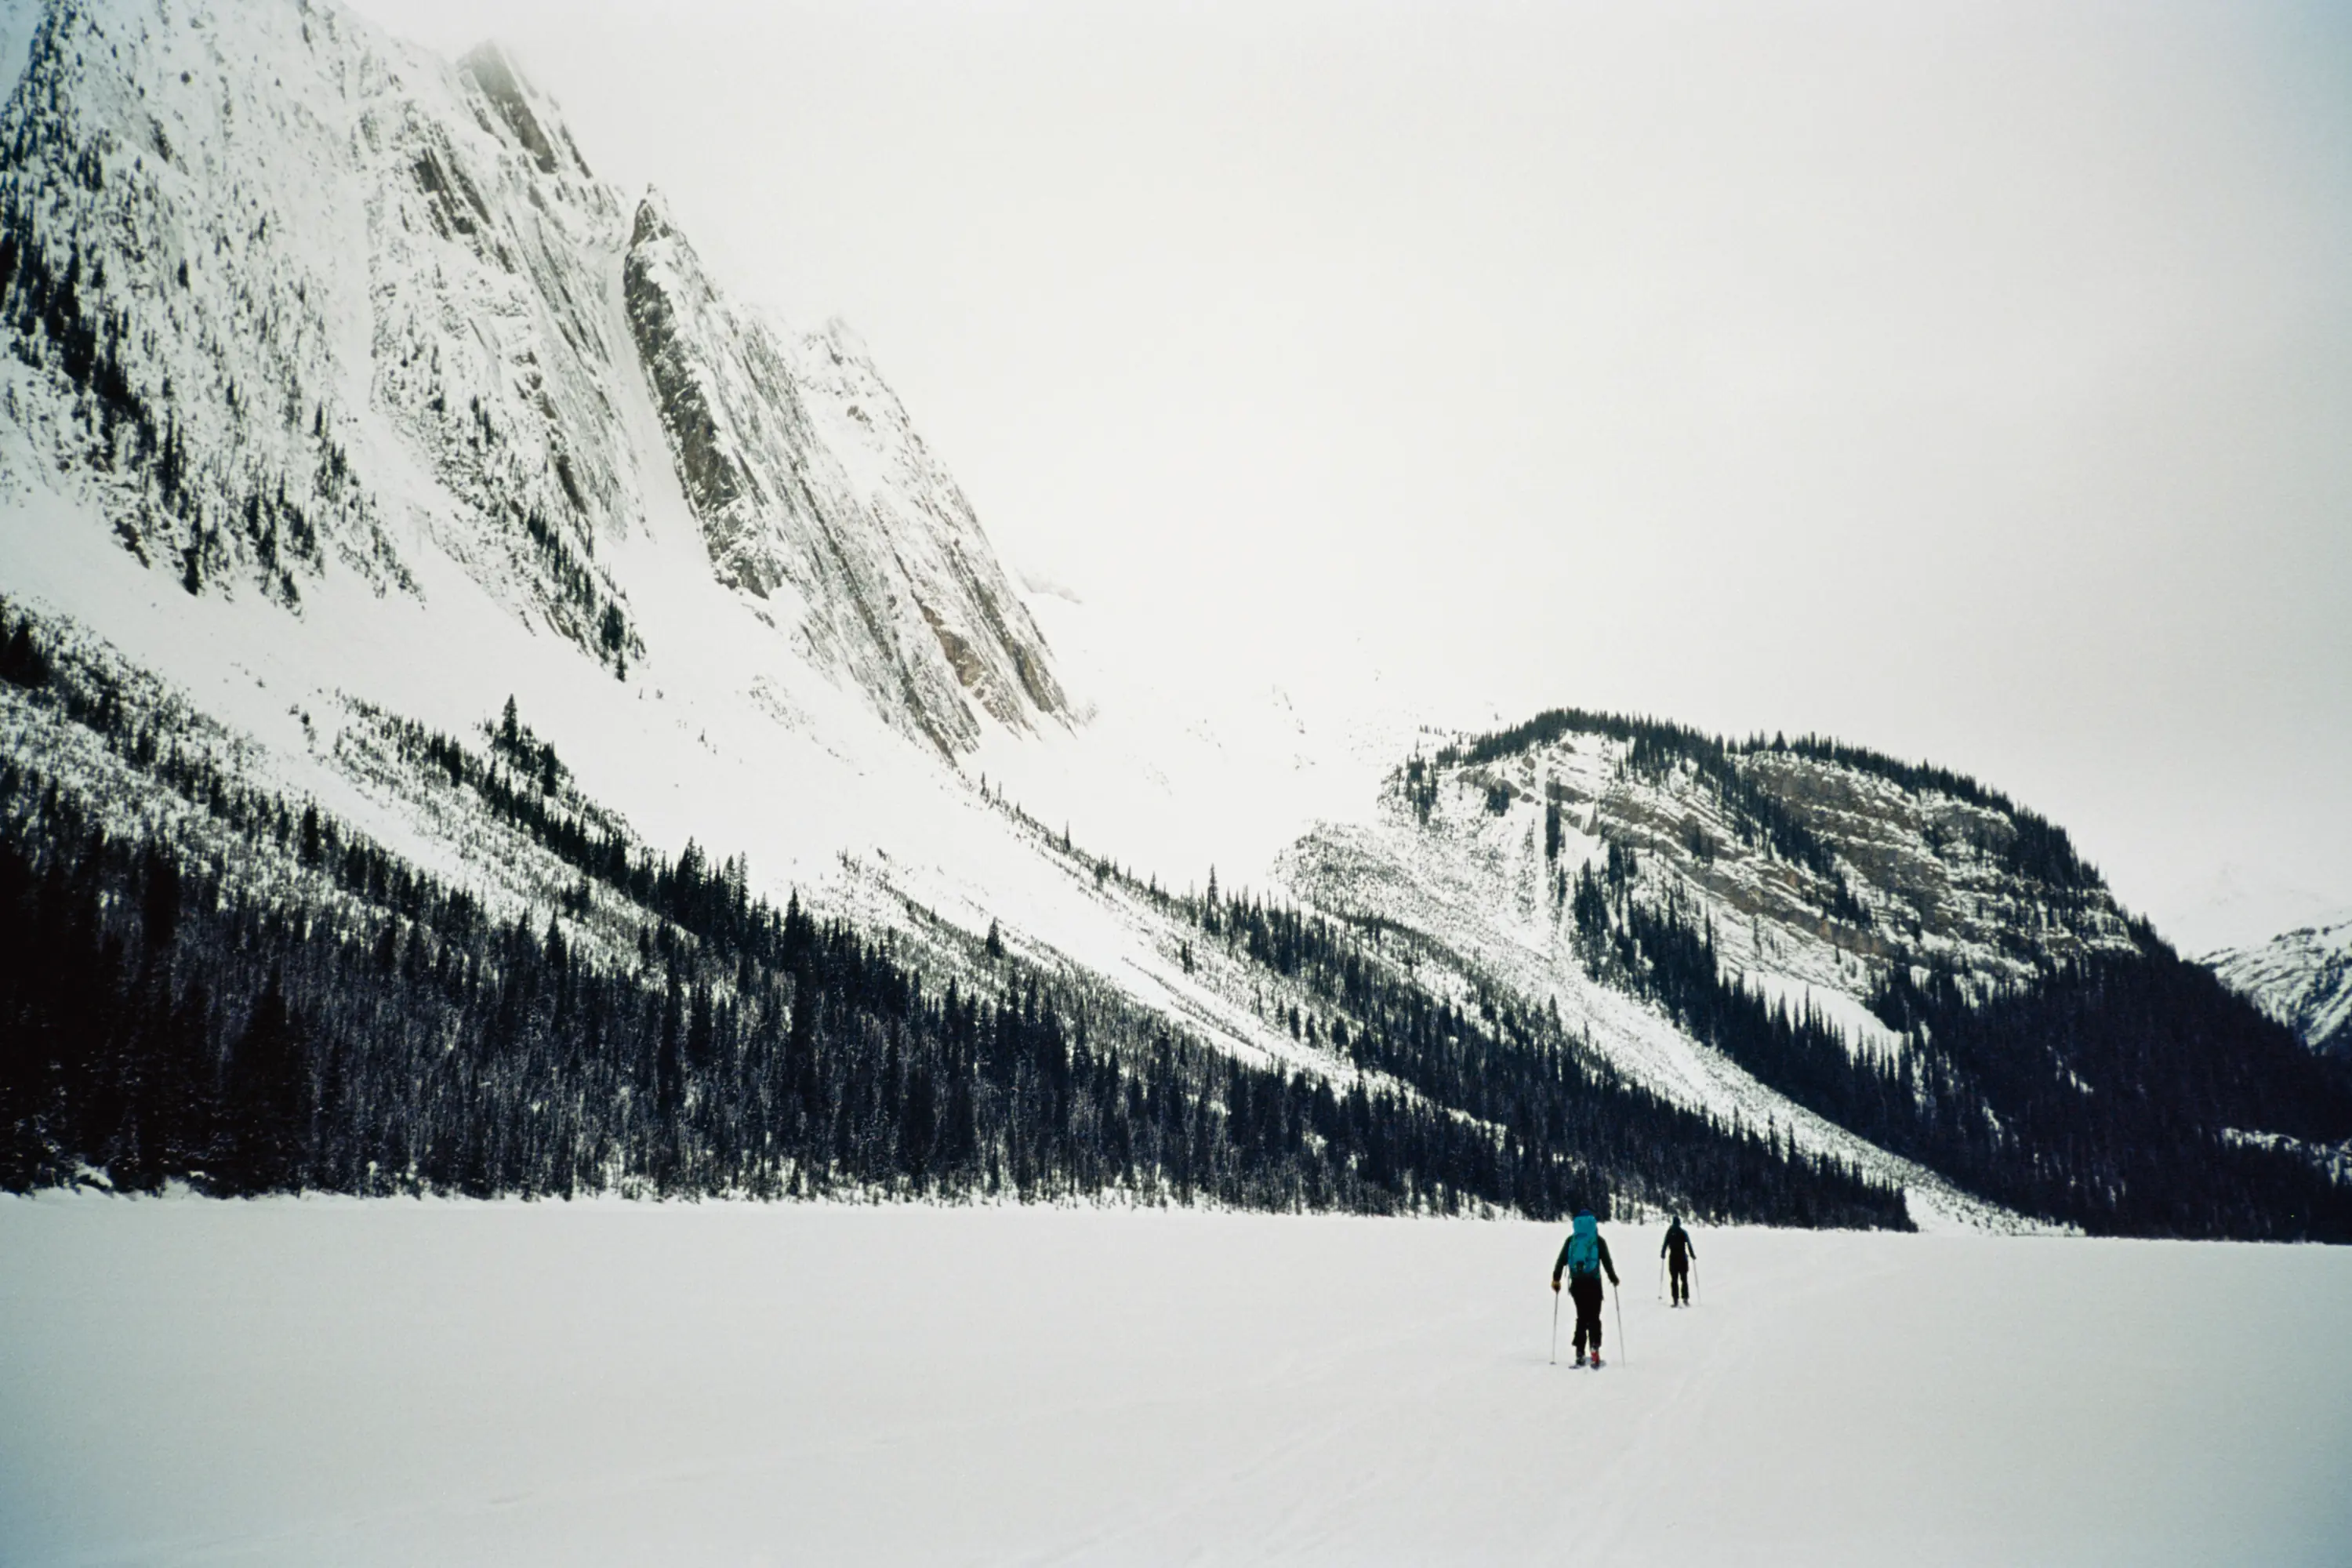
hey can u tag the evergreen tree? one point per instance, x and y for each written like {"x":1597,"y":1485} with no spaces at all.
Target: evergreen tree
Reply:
{"x":261,"y":1138}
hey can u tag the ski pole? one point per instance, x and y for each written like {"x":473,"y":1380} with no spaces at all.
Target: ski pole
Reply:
{"x":1662,"y":1276}
{"x":1555,"y":1323}
{"x":1618,"y":1297}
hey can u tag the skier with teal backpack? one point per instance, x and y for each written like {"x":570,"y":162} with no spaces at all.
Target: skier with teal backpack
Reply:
{"x":1585,"y":1259}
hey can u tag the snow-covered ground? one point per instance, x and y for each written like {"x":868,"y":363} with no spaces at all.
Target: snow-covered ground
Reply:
{"x":306,"y":1382}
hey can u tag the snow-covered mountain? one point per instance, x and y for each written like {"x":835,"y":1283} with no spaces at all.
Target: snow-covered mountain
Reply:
{"x":1818,"y":871}
{"x":291,"y":300}
{"x":1817,"y":932}
{"x":407,"y":545}
{"x":344,"y":397}
{"x":1819,"y":867}
{"x":2303,"y":978}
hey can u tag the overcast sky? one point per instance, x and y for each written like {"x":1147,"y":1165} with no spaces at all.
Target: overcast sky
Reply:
{"x":1968,"y":381}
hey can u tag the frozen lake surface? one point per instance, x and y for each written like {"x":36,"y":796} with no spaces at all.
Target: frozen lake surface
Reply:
{"x":325,"y":1380}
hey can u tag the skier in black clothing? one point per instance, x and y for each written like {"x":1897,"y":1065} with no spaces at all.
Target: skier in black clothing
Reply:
{"x":1585,"y":1256}
{"x":1678,"y":1252}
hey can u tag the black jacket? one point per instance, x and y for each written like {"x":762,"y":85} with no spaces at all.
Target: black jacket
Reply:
{"x":1678,"y":1245}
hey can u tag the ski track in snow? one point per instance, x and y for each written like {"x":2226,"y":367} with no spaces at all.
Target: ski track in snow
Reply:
{"x":308,"y":1381}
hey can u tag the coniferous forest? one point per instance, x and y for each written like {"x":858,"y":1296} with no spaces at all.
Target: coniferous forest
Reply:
{"x":279,"y":1004}
{"x":2112,"y":1093}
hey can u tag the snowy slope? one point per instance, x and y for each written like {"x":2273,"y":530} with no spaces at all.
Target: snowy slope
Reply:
{"x":311,"y":1382}
{"x":1817,"y":872}
{"x":2303,"y":978}
{"x":405,"y":458}
{"x":1465,"y":862}
{"x":1480,"y":910}
{"x":391,"y":443}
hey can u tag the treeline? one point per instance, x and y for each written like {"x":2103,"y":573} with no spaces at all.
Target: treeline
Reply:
{"x":160,"y":1021}
{"x":286,"y":1005}
{"x":1655,"y":749}
{"x":1517,"y":1069}
{"x":2103,"y":1094}
{"x":522,"y":783}
{"x":1508,"y":1065}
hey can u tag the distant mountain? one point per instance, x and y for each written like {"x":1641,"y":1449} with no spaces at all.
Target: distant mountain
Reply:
{"x":2302,"y":978}
{"x":1900,"y":951}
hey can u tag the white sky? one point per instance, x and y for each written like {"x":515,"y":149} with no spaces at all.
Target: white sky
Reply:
{"x":1972,"y":381}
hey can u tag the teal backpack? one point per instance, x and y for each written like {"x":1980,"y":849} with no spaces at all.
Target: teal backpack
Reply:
{"x":1584,"y":1249}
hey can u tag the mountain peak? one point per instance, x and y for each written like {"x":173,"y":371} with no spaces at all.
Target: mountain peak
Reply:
{"x":652,"y":220}
{"x":841,"y":340}
{"x":529,"y":117}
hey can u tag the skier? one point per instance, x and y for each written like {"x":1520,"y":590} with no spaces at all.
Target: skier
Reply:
{"x":1678,"y":1252}
{"x":1585,"y":1256}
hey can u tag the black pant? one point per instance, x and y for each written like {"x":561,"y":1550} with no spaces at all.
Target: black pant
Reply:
{"x":1586,"y":1294}
{"x":1678,"y":1277}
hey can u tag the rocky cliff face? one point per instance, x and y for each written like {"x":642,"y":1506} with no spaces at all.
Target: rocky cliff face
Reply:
{"x":286,"y":297}
{"x":814,"y":490}
{"x":1816,"y":865}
